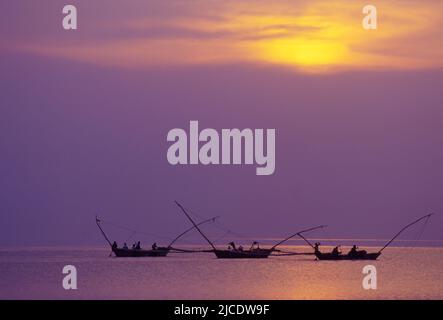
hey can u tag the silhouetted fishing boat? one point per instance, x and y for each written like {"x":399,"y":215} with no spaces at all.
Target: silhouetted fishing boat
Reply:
{"x":355,"y":254}
{"x":154,"y":252}
{"x":255,"y":252}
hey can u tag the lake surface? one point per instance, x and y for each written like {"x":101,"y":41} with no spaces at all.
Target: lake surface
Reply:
{"x":36,"y":273}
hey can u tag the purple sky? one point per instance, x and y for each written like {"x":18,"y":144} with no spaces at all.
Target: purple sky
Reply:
{"x":359,"y":150}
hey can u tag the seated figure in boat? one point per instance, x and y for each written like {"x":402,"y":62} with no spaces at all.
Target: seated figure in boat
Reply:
{"x":255,"y":246}
{"x":232,"y":246}
{"x":353,"y":252}
{"x":114,"y":245}
{"x":154,"y":246}
{"x":240,"y":248}
{"x":336,"y":251}
{"x":125,"y":246}
{"x":138,"y":247}
{"x":316,"y":247}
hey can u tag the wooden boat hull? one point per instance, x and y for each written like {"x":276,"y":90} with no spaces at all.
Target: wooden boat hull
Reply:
{"x":136,"y":253}
{"x":247,"y":254}
{"x":359,"y":256}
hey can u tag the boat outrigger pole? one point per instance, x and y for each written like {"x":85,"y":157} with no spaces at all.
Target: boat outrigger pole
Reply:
{"x":97,"y":221}
{"x":240,"y":253}
{"x":355,"y":254}
{"x":190,"y":229}
{"x":298,"y":234}
{"x":195,"y":225}
{"x":403,"y":229}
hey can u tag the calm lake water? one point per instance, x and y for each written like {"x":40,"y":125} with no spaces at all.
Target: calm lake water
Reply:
{"x":36,"y":273}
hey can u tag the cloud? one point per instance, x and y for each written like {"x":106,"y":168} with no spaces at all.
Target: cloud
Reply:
{"x":304,"y":35}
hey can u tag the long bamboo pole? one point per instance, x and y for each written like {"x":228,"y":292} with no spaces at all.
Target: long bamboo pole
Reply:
{"x":191,"y":228}
{"x":195,"y":225}
{"x":297,"y":234}
{"x":404,"y":228}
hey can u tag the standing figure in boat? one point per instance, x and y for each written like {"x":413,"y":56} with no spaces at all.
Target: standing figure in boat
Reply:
{"x":316,"y":248}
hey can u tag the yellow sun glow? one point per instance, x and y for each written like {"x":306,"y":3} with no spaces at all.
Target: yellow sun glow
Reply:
{"x":313,"y":36}
{"x":303,"y":52}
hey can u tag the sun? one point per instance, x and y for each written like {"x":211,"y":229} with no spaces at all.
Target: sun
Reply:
{"x":303,"y":52}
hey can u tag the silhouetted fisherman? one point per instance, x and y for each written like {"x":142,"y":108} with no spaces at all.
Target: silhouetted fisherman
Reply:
{"x":114,"y":245}
{"x":336,"y":251}
{"x":353,"y":250}
{"x":125,"y":246}
{"x":232,"y":244}
{"x":316,"y":248}
{"x":138,"y":247}
{"x":255,"y":245}
{"x":154,"y":246}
